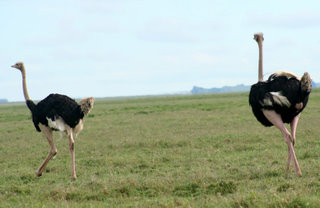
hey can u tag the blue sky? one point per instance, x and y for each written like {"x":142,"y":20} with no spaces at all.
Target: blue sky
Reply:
{"x":106,"y":48}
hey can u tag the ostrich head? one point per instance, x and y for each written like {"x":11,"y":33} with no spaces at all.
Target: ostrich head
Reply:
{"x":258,"y":37}
{"x":86,"y":105}
{"x":18,"y":65}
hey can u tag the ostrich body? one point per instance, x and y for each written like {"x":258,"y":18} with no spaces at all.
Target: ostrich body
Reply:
{"x":56,"y":112}
{"x":279,"y":100}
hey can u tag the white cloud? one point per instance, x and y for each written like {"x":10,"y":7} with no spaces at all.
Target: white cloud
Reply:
{"x":166,"y":30}
{"x":202,"y":58}
{"x":287,"y":20}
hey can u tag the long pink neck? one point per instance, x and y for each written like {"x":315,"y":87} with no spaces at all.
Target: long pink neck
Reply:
{"x":260,"y":73}
{"x":24,"y":84}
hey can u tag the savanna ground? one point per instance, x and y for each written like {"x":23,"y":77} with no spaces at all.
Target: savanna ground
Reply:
{"x":176,"y":151}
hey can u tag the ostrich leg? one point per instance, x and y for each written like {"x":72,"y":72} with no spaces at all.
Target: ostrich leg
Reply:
{"x":71,"y":148}
{"x":276,"y":120}
{"x":53,"y":150}
{"x":293,"y":126}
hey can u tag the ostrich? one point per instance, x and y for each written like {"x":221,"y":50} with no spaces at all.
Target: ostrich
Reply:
{"x":279,"y":100}
{"x":56,"y":112}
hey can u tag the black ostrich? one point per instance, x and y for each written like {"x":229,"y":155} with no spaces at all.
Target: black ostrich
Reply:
{"x":279,"y":100}
{"x":56,"y":112}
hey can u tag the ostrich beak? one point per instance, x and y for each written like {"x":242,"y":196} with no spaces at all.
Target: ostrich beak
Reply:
{"x":14,"y":66}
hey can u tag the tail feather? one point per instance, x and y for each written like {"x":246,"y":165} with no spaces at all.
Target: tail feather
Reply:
{"x":306,"y":83}
{"x":86,"y":105}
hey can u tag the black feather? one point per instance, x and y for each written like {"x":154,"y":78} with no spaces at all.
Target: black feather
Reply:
{"x":289,"y":87}
{"x":32,"y":108}
{"x":55,"y":106}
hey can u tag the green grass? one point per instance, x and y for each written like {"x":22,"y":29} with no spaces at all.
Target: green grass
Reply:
{"x":175,"y":151}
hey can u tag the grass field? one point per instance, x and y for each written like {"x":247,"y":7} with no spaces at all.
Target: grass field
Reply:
{"x":176,"y":151}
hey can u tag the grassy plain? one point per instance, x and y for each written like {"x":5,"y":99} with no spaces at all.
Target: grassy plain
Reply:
{"x":175,"y":151}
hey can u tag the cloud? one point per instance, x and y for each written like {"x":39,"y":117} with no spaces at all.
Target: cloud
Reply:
{"x":166,"y":30}
{"x":102,"y":6}
{"x":294,"y":20}
{"x":202,"y":58}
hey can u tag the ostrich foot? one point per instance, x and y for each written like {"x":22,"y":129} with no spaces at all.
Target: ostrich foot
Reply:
{"x":299,"y":173}
{"x":38,"y":175}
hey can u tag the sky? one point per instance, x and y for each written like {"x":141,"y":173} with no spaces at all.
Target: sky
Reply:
{"x":110,"y":48}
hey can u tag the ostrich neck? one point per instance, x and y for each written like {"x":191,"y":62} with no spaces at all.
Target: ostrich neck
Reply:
{"x":24,"y":84}
{"x":260,"y":62}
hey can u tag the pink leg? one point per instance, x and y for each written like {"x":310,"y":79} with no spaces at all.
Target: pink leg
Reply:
{"x":293,"y":126}
{"x":276,"y":120}
{"x":53,"y":150}
{"x":289,"y":160}
{"x":71,"y":148}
